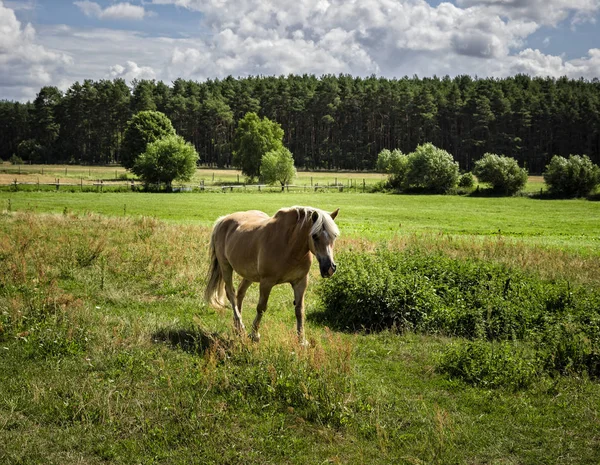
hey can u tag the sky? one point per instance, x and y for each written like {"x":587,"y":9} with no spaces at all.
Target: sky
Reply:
{"x":59,"y":42}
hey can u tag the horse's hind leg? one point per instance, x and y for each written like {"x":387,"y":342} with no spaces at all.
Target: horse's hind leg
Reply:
{"x":227,"y":271}
{"x":265,"y":291}
{"x":241,"y":293}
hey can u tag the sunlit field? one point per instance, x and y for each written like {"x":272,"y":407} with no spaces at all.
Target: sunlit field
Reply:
{"x":207,"y":177}
{"x":108,"y":353}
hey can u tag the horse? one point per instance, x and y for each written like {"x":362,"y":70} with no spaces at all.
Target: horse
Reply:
{"x":269,"y":251}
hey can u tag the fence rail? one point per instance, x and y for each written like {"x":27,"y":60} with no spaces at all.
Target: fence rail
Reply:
{"x":133,"y":185}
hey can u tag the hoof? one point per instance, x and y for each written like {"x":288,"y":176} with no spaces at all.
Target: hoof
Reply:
{"x":304,"y":343}
{"x":255,"y":337}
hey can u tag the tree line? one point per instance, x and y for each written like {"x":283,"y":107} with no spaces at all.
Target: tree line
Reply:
{"x":329,"y":122}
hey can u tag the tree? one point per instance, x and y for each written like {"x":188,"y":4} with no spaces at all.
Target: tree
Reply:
{"x":165,"y":160}
{"x":254,"y":138}
{"x":575,"y":176}
{"x":278,"y":166}
{"x":502,"y":173}
{"x":431,"y":169}
{"x":145,"y":127}
{"x":46,"y":127}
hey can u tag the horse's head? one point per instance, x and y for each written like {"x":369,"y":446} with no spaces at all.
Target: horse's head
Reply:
{"x":323,"y":234}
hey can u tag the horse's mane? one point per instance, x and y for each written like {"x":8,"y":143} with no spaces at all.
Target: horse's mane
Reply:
{"x":324,"y":222}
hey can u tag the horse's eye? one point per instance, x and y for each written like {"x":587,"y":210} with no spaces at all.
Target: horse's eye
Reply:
{"x":315,"y":237}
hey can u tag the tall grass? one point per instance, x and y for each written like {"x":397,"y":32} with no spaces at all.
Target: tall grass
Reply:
{"x":108,"y":355}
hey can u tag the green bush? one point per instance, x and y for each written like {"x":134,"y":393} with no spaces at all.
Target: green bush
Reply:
{"x":575,"y":176}
{"x":438,"y":294}
{"x":466,"y":180}
{"x":572,"y":346}
{"x":165,"y":160}
{"x":278,"y":166}
{"x":15,"y":160}
{"x":486,"y":364}
{"x":431,"y":169}
{"x":502,"y":173}
{"x":144,"y":128}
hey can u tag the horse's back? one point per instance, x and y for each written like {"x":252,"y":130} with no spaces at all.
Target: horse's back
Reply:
{"x":238,"y":238}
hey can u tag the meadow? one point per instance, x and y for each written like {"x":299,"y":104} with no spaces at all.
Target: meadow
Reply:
{"x":109,"y":354}
{"x":210,"y":177}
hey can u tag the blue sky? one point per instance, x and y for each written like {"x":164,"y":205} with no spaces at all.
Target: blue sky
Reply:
{"x":58,"y":42}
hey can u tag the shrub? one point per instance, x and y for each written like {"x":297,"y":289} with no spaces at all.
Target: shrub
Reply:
{"x":502,"y":173}
{"x":490,"y":364}
{"x":575,"y":176}
{"x":15,"y":160}
{"x":30,"y":150}
{"x":437,"y":294}
{"x":572,"y":346}
{"x":466,"y":180}
{"x":278,"y":166}
{"x":144,"y":128}
{"x":431,"y":169}
{"x":165,"y":160}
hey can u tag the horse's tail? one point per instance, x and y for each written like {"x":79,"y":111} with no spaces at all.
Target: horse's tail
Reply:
{"x":215,"y":288}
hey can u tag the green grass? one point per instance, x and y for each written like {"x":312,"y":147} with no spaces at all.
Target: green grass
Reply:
{"x":569,"y":223}
{"x":109,"y":355}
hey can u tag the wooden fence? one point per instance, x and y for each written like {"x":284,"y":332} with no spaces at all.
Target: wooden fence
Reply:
{"x":100,"y":185}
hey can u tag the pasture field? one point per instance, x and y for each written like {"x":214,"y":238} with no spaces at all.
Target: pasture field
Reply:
{"x":109,"y":355}
{"x":209,"y":176}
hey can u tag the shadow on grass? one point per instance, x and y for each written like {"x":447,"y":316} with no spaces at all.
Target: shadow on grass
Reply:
{"x":195,"y":340}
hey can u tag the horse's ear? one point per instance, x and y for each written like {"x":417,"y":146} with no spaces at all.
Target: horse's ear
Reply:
{"x":315,"y":216}
{"x":334,"y":214}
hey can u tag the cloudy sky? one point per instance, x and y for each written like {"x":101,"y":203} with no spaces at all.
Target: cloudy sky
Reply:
{"x":58,"y":42}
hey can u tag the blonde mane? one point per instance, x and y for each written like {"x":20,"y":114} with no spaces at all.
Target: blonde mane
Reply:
{"x":324,"y":222}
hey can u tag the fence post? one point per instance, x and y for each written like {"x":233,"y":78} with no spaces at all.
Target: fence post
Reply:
{"x":16,"y":186}
{"x":363,"y":185}
{"x":57,"y":183}
{"x":81,"y":183}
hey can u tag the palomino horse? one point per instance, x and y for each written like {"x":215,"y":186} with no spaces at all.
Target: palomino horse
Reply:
{"x":269,"y":251}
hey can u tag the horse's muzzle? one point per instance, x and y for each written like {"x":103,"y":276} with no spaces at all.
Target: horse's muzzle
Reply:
{"x":327,"y":269}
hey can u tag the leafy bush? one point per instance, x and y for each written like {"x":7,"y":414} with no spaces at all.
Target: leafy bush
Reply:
{"x":466,"y":180}
{"x":502,"y":173}
{"x":572,"y":345}
{"x":435,"y":293}
{"x":253,"y":138}
{"x":30,"y":150}
{"x":490,"y":364}
{"x":278,"y":166}
{"x":431,"y":169}
{"x":165,"y":160}
{"x":144,"y":128}
{"x":575,"y":176}
{"x":15,"y":160}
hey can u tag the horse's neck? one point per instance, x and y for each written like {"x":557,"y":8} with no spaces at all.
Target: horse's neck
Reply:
{"x":297,"y":232}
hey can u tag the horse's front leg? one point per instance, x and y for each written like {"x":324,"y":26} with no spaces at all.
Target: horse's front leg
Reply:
{"x":299,"y":290}
{"x":265,"y":291}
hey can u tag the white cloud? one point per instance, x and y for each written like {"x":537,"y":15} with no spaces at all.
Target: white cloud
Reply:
{"x":26,"y":66}
{"x":120,"y":11}
{"x":131,"y":71}
{"x":250,"y":37}
{"x":545,"y":12}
